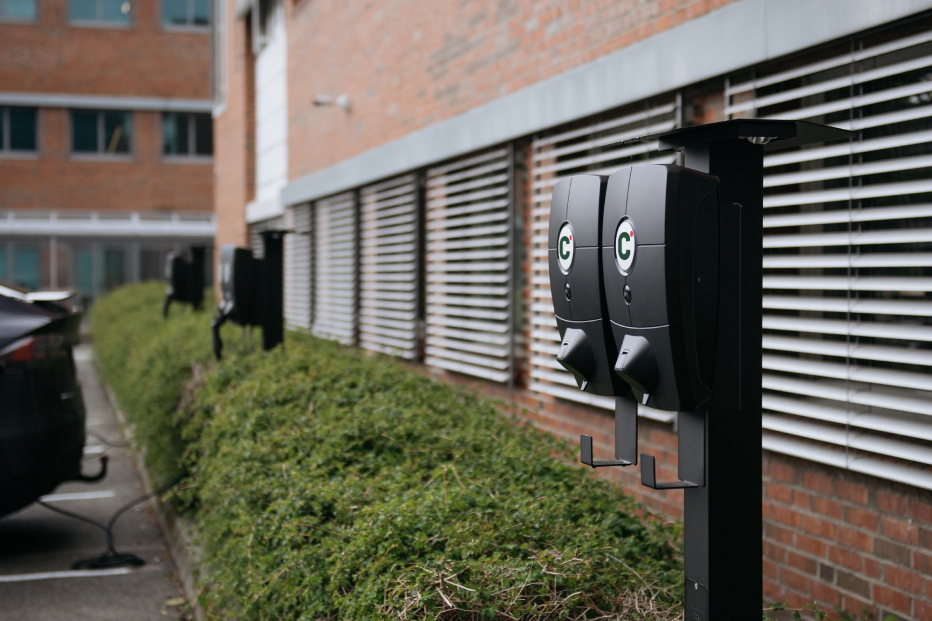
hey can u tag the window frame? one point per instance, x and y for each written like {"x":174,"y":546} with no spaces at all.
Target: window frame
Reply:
{"x":188,"y":26}
{"x":99,"y":21}
{"x":6,"y":151}
{"x":191,"y":156}
{"x":101,"y":152}
{"x":4,"y":18}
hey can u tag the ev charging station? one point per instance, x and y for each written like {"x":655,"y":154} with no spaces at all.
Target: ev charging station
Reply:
{"x":251,"y":291}
{"x":185,"y":279}
{"x":656,"y":278}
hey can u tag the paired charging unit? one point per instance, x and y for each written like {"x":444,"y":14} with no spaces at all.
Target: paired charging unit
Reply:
{"x":185,"y":279}
{"x":251,"y":291}
{"x":656,"y":278}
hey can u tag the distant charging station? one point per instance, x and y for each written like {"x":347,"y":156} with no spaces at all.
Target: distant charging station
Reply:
{"x":185,"y":279}
{"x":656,"y":278}
{"x":251,"y":291}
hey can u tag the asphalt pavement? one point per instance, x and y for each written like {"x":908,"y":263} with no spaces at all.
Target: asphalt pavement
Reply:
{"x":38,"y":547}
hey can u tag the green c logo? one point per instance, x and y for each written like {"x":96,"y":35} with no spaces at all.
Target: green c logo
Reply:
{"x":625,"y":246}
{"x":566,"y":247}
{"x":624,"y":254}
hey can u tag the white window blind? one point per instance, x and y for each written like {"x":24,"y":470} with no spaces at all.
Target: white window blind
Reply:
{"x":555,"y":156}
{"x":388,"y":267}
{"x":469,"y":266}
{"x":335,"y":275}
{"x":297,"y":267}
{"x":848,"y":258}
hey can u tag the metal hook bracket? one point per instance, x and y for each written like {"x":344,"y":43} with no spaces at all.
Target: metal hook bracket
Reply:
{"x":691,"y":455}
{"x":626,"y":436}
{"x":585,"y":455}
{"x":93,"y":478}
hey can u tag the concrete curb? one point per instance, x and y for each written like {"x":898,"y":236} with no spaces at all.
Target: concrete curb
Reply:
{"x":178,"y":530}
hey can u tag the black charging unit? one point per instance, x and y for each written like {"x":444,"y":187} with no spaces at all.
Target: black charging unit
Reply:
{"x":656,"y":277}
{"x":185,"y":279}
{"x":251,"y":291}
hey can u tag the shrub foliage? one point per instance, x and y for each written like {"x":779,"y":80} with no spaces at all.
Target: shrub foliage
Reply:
{"x":330,"y":484}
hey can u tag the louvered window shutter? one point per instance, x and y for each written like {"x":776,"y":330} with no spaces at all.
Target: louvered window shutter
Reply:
{"x":335,"y":248}
{"x":469,"y":266}
{"x":298,"y":267}
{"x":848,"y":259}
{"x":555,"y":156}
{"x":388,"y":267}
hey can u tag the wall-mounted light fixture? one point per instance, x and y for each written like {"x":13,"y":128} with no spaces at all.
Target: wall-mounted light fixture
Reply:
{"x":342,"y":101}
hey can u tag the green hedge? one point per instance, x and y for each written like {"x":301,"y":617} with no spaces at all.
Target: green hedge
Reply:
{"x":329,"y":484}
{"x":146,"y":360}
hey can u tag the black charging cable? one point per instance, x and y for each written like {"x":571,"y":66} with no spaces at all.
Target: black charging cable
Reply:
{"x":219,"y":319}
{"x":111,"y":558}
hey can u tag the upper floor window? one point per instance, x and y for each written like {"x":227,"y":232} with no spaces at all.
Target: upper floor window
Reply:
{"x":17,"y":129}
{"x":185,"y":12}
{"x":100,"y":132}
{"x":105,"y":11}
{"x":187,"y":134}
{"x":18,"y":9}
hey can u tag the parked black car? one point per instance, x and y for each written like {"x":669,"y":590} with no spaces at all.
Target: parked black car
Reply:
{"x":41,"y":407}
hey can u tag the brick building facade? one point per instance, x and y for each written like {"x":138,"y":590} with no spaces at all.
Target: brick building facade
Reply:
{"x":107,"y":149}
{"x":431,"y":140}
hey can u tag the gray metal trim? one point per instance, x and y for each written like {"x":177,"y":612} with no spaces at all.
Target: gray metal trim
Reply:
{"x":739,"y":35}
{"x":104,"y":102}
{"x":93,"y":225}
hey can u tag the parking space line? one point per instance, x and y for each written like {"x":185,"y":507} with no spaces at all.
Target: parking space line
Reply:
{"x":93,"y":450}
{"x":74,"y":573}
{"x":77,"y":496}
{"x":82,"y":354}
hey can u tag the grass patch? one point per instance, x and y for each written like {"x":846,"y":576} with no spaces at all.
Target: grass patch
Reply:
{"x":329,"y":484}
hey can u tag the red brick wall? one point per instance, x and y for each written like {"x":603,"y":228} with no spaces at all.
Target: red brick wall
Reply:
{"x":54,"y":179}
{"x":405,"y":67}
{"x":846,"y":539}
{"x":234,"y":138}
{"x":51,"y":56}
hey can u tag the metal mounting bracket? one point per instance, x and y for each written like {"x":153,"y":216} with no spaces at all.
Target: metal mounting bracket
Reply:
{"x":691,"y":452}
{"x":626,"y":436}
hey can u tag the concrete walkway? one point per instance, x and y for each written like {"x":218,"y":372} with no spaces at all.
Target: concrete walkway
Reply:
{"x":36,"y":544}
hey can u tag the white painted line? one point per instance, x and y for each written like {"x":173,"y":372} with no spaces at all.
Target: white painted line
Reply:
{"x":93,"y":450}
{"x":78,"y":496}
{"x":76,"y":573}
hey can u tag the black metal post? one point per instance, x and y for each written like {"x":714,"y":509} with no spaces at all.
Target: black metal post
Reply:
{"x":272,"y":290}
{"x":722,"y":518}
{"x":196,"y":277}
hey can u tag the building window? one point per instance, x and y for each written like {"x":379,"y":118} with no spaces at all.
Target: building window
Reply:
{"x":18,"y":10}
{"x":104,"y":11}
{"x":83,"y":272}
{"x":27,"y":263}
{"x":151,"y":264}
{"x":187,"y":134}
{"x":185,"y":12}
{"x":17,"y":129}
{"x":114,"y":268}
{"x":101,"y":132}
